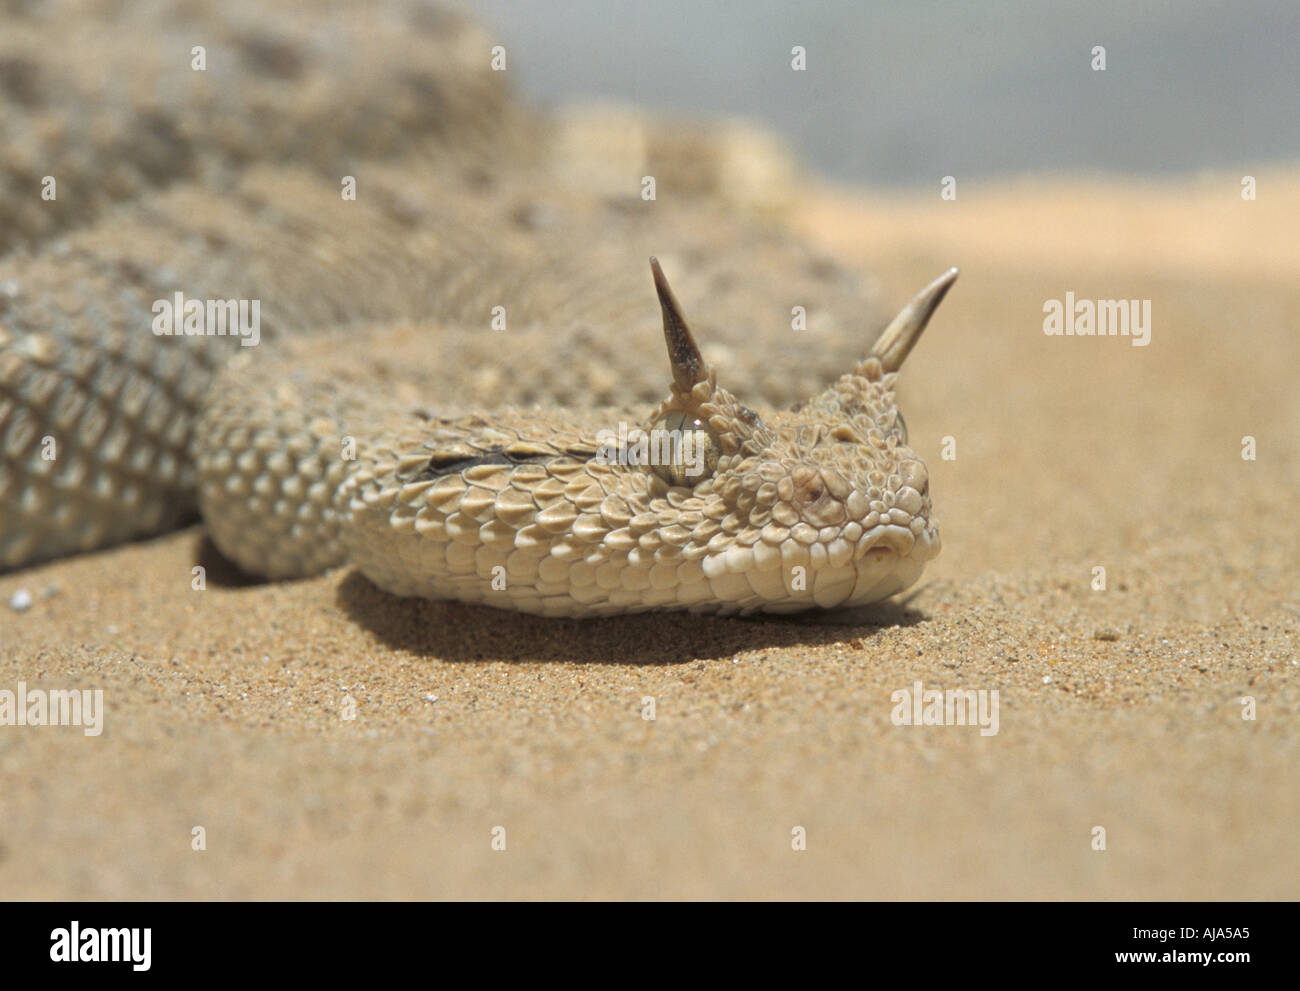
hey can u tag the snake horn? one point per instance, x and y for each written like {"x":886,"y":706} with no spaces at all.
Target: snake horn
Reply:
{"x":898,"y":339}
{"x":688,"y":365}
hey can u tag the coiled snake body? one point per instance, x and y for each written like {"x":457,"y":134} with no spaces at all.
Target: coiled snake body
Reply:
{"x":739,"y":512}
{"x":110,"y":433}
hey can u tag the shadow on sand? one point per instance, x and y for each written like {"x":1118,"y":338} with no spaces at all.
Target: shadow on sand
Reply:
{"x":452,"y":631}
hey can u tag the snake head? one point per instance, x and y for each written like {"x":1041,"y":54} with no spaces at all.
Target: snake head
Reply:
{"x":823,"y":506}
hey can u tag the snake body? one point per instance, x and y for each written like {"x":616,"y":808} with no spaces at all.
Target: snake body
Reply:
{"x":355,"y":434}
{"x":821,"y":506}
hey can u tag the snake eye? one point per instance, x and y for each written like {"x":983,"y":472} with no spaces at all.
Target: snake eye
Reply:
{"x":900,"y":425}
{"x":684,"y":451}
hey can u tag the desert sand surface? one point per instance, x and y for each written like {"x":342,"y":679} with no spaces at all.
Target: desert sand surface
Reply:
{"x":1120,"y":708}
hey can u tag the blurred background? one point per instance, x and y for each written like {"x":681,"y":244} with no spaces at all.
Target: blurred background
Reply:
{"x":901,"y":93}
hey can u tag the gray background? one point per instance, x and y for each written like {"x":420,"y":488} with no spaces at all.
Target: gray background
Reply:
{"x":898,"y":93}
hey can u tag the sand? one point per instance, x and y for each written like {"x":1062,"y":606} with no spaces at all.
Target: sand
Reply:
{"x":1119,"y":708}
